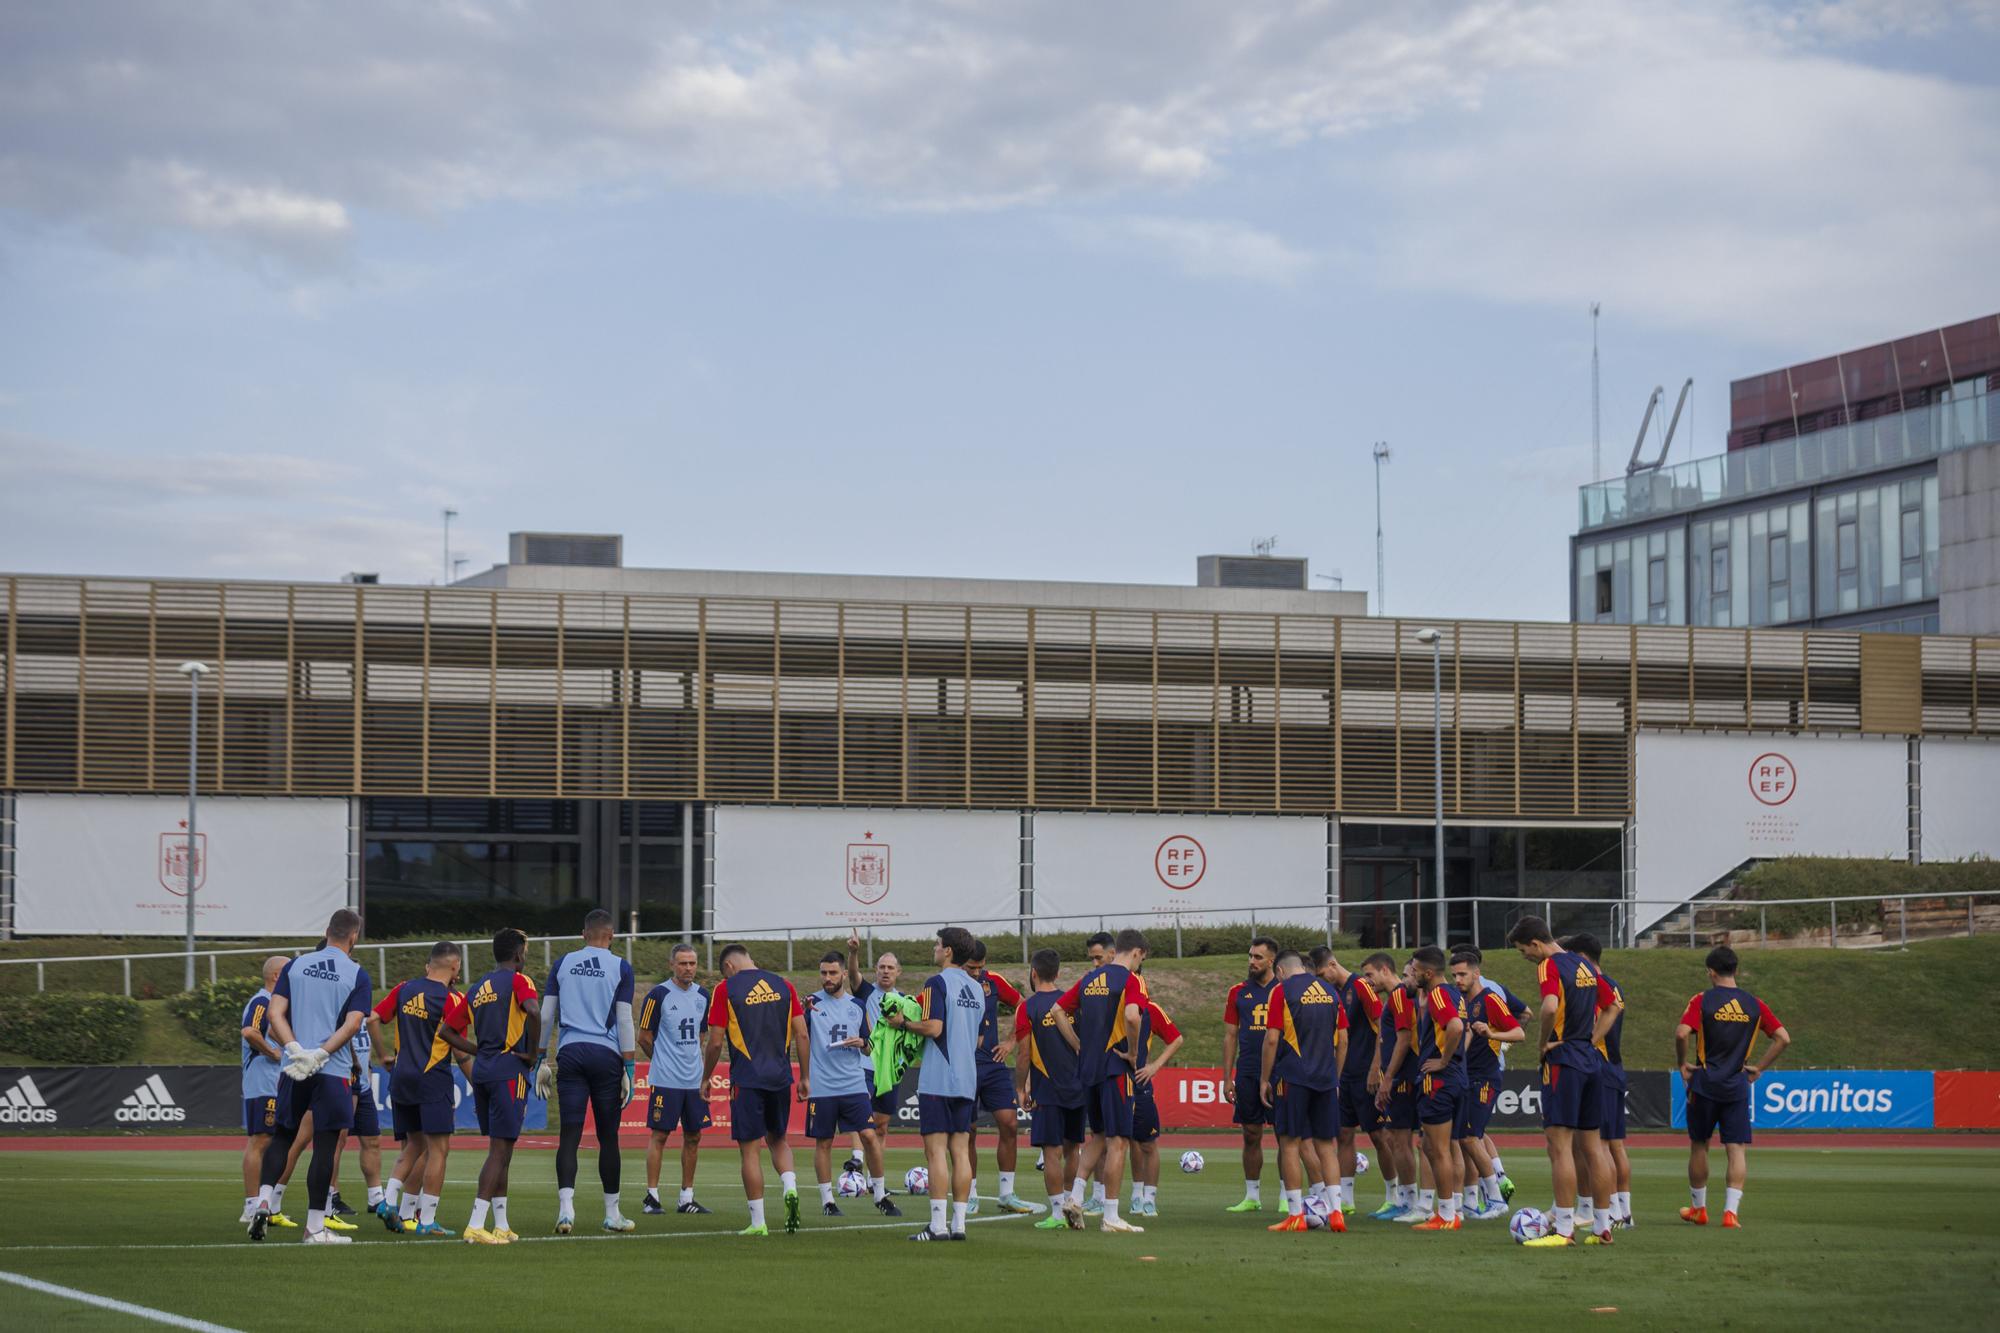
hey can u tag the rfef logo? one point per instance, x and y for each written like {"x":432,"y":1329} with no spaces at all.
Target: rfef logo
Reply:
{"x":868,"y":871}
{"x":1773,"y":779}
{"x":149,"y":1104}
{"x":1180,"y":862}
{"x":24,"y":1105}
{"x":174,"y":861}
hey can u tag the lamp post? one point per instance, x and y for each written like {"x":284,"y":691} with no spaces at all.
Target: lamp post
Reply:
{"x":1435,"y":640}
{"x":1381,"y":456}
{"x":194,"y":671}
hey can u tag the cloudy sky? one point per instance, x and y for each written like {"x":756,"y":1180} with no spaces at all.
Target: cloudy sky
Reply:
{"x":1030,"y":288}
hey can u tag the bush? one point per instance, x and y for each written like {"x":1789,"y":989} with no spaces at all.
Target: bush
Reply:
{"x":213,"y":1013}
{"x":70,"y":1028}
{"x":1865,"y":881}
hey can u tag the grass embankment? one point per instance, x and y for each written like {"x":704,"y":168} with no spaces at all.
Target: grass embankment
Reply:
{"x":1846,"y":1009}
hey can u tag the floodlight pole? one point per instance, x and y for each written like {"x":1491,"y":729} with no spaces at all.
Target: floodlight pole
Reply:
{"x":194,"y":671}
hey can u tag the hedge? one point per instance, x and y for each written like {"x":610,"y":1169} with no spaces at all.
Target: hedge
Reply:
{"x":70,"y":1027}
{"x":213,"y":1013}
{"x":1865,"y":881}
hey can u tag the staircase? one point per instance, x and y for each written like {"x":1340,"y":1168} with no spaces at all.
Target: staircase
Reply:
{"x":1708,"y":915}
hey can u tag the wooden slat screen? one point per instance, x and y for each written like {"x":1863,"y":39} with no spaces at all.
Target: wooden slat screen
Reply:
{"x":324,"y":689}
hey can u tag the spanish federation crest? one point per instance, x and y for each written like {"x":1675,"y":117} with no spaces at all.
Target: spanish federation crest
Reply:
{"x":868,"y":872}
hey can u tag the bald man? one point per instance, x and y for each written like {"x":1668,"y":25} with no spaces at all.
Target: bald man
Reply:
{"x":260,"y":1058}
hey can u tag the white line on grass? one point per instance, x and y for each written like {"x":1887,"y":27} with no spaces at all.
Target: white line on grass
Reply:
{"x":116,"y":1307}
{"x":525,"y":1240}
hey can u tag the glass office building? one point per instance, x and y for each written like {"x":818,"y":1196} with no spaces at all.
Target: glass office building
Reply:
{"x":1822,"y":513}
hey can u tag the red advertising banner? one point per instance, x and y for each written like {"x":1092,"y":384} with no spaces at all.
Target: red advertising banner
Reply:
{"x":1965,"y":1099}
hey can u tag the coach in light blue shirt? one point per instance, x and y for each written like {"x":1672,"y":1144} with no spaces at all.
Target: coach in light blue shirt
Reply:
{"x":587,"y":1010}
{"x":671,"y":1021}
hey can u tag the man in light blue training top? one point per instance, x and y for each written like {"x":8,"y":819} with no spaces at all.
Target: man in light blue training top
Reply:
{"x":587,"y":1020}
{"x":671,"y":1020}
{"x":837,"y":1027}
{"x":948,"y":1080}
{"x":316,"y":1008}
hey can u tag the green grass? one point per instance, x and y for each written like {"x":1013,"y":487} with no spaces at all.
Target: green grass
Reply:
{"x":1846,"y":1008}
{"x":1841,"y":1239}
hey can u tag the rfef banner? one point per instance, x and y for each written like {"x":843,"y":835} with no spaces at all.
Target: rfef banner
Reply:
{"x":1833,"y":1099}
{"x":119,"y":865}
{"x":1199,"y":868}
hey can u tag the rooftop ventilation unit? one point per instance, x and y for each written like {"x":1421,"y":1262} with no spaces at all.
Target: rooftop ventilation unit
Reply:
{"x":591,"y":549}
{"x":1252,"y":571}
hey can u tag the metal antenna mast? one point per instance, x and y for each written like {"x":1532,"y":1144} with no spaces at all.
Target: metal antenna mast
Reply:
{"x":1381,"y":568}
{"x":1596,"y":419}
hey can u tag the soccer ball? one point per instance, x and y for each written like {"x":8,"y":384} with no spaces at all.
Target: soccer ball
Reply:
{"x":1316,"y":1213}
{"x":917,"y":1180}
{"x":1361,"y":1164}
{"x":1528,"y":1224}
{"x":852,"y":1184}
{"x":1191,"y":1162}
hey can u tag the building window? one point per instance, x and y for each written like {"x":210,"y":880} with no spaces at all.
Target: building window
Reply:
{"x":1780,"y":560}
{"x":1656,"y":588}
{"x":1603,"y":592}
{"x":1847,"y":549}
{"x":1718,"y":571}
{"x":1913,"y":534}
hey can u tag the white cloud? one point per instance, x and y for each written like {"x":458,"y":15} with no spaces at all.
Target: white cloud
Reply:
{"x":1201,"y":247}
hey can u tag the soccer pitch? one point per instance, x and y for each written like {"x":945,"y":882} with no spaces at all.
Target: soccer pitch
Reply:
{"x":1833,"y":1238}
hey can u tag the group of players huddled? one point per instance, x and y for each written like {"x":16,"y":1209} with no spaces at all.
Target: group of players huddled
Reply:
{"x":1412,"y":1057}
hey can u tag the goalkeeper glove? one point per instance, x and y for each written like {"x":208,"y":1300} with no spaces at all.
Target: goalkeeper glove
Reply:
{"x":545,"y":1079}
{"x":625,"y":1087}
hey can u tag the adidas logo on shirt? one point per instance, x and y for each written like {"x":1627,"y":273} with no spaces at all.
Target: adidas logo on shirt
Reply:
{"x":586,"y":967}
{"x":1315,"y":994}
{"x":414,"y":1006}
{"x":762,"y":993}
{"x":1098,"y":986}
{"x":150,"y":1103}
{"x":323,"y":970}
{"x":1732,"y":1013}
{"x":24,"y":1105}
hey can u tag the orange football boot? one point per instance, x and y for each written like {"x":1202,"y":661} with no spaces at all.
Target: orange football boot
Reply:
{"x":1335,"y":1221}
{"x":1698,"y":1216}
{"x":1435,"y":1222}
{"x":1729,"y":1222}
{"x":1292,"y":1222}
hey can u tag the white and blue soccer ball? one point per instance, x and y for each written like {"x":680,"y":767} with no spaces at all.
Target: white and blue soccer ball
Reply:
{"x":1317,"y":1212}
{"x":852,"y":1185}
{"x":917,"y":1180}
{"x":1361,"y":1164}
{"x":1528,"y":1224}
{"x":1191,"y":1162}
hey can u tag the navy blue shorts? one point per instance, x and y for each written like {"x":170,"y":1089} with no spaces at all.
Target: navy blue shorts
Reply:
{"x":1611,"y":1118}
{"x":1571,"y":1098}
{"x":685,"y":1109}
{"x":944,"y":1115}
{"x":424,"y":1118}
{"x":367,"y":1119}
{"x":500,"y":1106}
{"x":1401,"y":1113}
{"x":996,"y":1087}
{"x":328,"y":1099}
{"x":1704,"y":1117}
{"x":1055,"y":1126}
{"x":1475,"y":1109}
{"x":1108,"y":1108}
{"x":1438,"y":1098}
{"x":1357,"y":1105}
{"x":1305,"y":1113}
{"x":1145,"y":1114}
{"x":260,"y":1115}
{"x":759,"y":1113}
{"x":1250,"y":1108}
{"x":828,"y":1116}
{"x":887,"y":1103}
{"x":589,"y":1078}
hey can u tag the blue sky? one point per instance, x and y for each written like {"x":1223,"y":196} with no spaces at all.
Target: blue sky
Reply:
{"x":1027,"y":289}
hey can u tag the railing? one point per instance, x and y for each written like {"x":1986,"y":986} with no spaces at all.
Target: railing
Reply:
{"x":1608,"y":917}
{"x":1821,"y":455}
